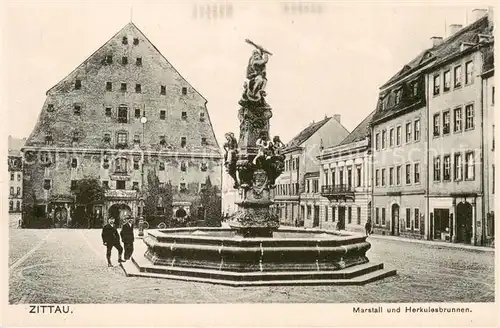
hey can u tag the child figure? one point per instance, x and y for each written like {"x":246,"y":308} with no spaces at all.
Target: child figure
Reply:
{"x":265,"y":148}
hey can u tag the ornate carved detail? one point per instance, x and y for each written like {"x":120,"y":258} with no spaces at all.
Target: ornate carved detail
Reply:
{"x":256,"y":218}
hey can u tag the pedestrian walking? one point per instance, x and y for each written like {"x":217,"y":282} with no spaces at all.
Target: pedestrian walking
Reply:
{"x":127,"y":235}
{"x":110,"y":239}
{"x":368,"y":227}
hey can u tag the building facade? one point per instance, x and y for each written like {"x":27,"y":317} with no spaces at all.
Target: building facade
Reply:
{"x":15,"y":168}
{"x":123,"y":116}
{"x":433,"y":141}
{"x":456,"y":144}
{"x":297,"y":188}
{"x":488,"y":105}
{"x":345,"y":181}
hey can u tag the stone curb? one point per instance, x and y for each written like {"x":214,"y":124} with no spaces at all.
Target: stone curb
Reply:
{"x":435,"y":243}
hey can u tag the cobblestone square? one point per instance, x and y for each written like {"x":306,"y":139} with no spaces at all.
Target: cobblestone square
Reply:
{"x":69,"y":266}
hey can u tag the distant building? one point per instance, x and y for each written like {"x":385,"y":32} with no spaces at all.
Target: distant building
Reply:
{"x":124,"y":113}
{"x":297,"y":189}
{"x":345,"y":181}
{"x":15,"y":167}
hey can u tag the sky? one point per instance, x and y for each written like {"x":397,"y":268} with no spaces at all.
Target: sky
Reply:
{"x":328,"y":58}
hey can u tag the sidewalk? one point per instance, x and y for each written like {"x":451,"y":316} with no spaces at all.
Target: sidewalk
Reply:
{"x":436,"y":243}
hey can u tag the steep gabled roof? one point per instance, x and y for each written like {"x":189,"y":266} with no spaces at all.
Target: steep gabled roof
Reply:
{"x":307,"y":133}
{"x":134,"y":28}
{"x":442,"y":51}
{"x":360,"y":132}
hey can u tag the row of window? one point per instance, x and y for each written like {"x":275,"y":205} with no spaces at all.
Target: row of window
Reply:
{"x":122,"y":139}
{"x":14,"y":192}
{"x":442,"y":121}
{"x":292,"y":164}
{"x":412,"y":222}
{"x":462,"y":170}
{"x":395,"y":175}
{"x":457,"y":78}
{"x":125,"y":40}
{"x":121,"y":165}
{"x":347,"y":209}
{"x":124,"y":86}
{"x":340,"y":175}
{"x":413,"y":88}
{"x":412,"y":134}
{"x":312,"y":185}
{"x":12,"y":176}
{"x":287,"y":189}
{"x":120,"y":185}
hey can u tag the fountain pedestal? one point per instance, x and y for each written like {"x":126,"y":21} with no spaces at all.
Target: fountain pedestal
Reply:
{"x":255,"y":251}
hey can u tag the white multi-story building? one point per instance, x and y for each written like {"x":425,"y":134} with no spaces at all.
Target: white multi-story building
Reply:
{"x":345,"y":181}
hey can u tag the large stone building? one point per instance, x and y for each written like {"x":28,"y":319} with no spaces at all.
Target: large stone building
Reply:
{"x":456,"y":125}
{"x":297,"y":189}
{"x":15,"y":167}
{"x":431,"y":139}
{"x":345,"y":181}
{"x":123,"y":115}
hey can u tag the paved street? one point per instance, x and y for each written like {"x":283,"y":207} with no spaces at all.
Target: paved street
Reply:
{"x":69,"y":266}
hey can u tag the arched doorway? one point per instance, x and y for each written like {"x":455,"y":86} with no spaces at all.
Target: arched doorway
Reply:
{"x":60,"y":217}
{"x":119,"y":212}
{"x":180,"y":213}
{"x":395,"y":220}
{"x":464,"y":222}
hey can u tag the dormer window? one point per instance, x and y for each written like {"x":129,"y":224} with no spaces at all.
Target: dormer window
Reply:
{"x":48,"y":139}
{"x":78,"y":84}
{"x":136,"y":41}
{"x":124,"y":40}
{"x":398,"y":96}
{"x":76,"y":136}
{"x":77,"y":109}
{"x":414,"y":88}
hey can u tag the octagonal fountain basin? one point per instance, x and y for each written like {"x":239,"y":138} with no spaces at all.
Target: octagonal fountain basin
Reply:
{"x":291,"y":256}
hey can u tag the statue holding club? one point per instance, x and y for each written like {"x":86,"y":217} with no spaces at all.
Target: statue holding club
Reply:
{"x":254,"y":88}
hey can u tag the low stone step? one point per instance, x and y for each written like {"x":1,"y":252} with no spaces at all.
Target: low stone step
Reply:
{"x":132,"y":270}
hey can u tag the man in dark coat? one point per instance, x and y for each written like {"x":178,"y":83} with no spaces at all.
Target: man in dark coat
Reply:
{"x":110,"y":239}
{"x":127,"y":235}
{"x":368,"y":227}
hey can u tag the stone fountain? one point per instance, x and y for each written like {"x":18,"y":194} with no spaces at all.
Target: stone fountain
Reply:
{"x":254,"y":250}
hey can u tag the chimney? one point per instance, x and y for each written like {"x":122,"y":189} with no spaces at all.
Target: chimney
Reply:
{"x":454,"y":28}
{"x":478,"y":14}
{"x":436,"y":41}
{"x":337,"y":117}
